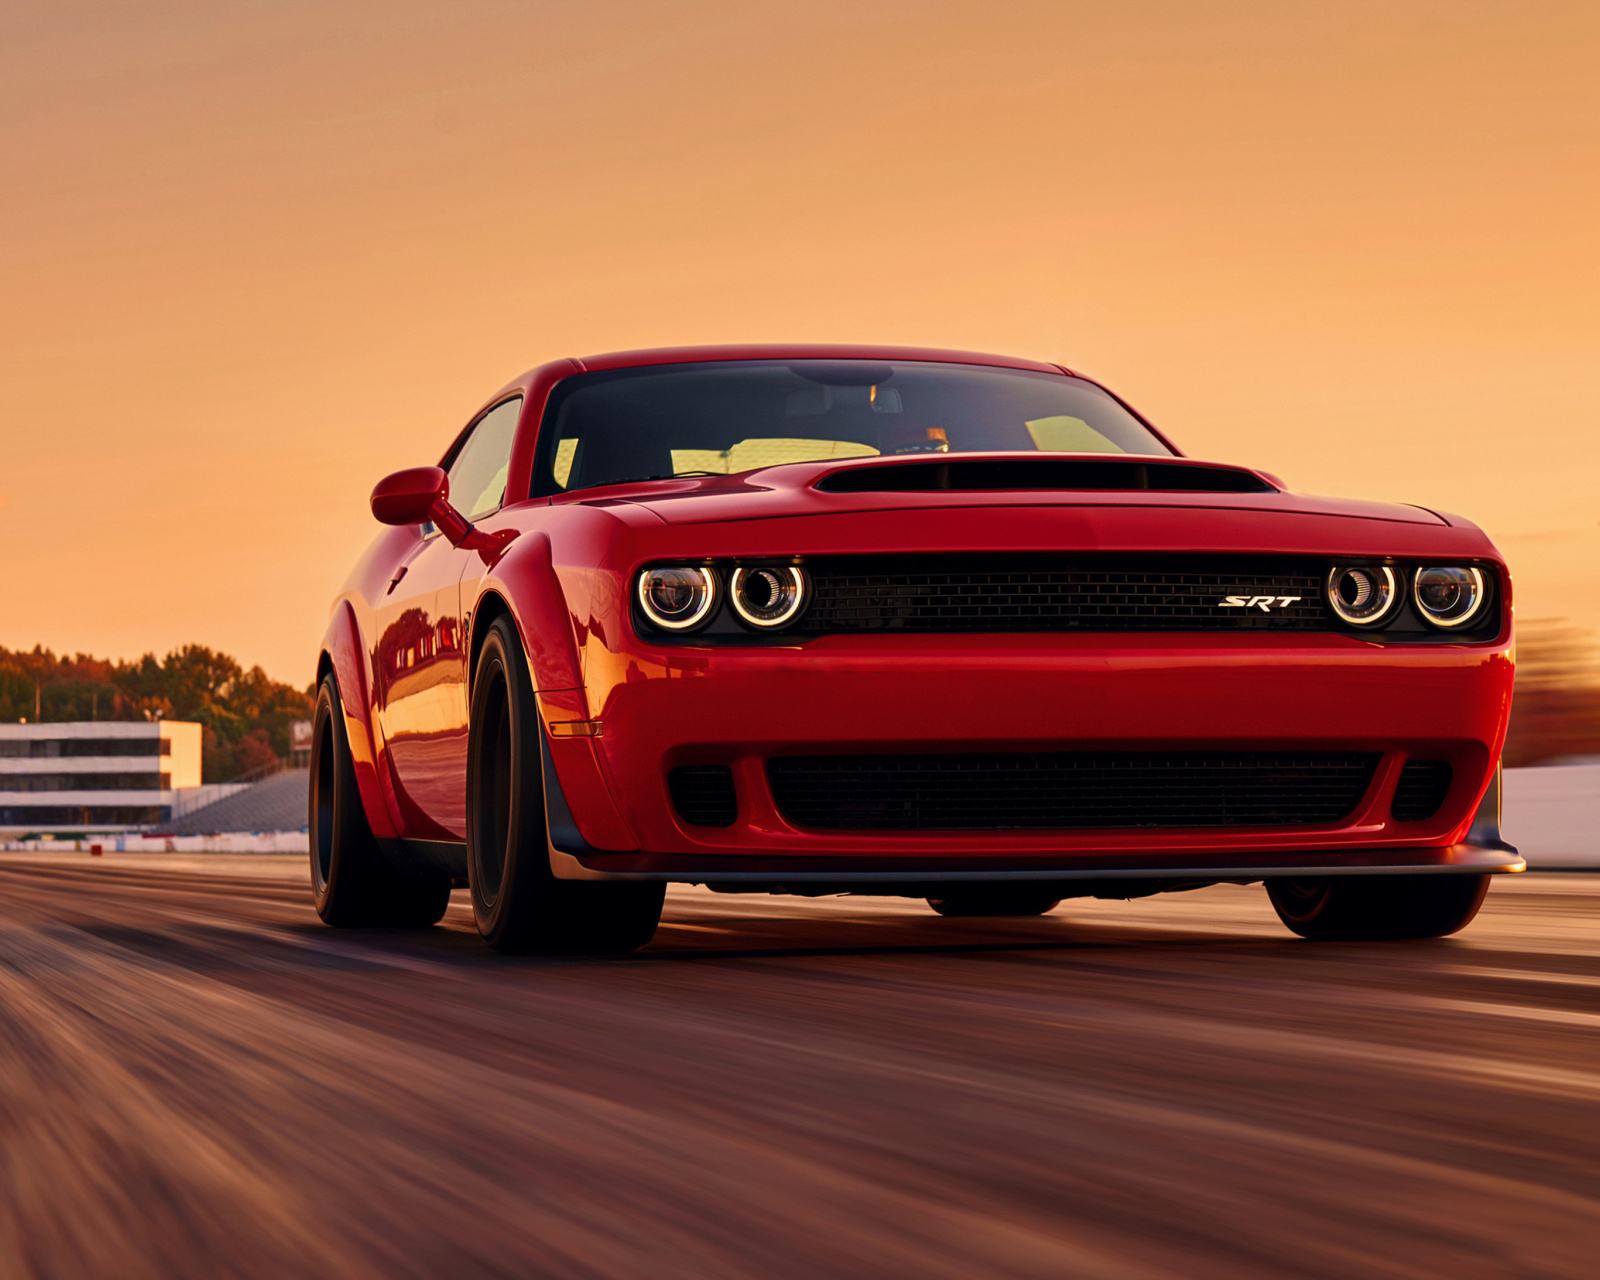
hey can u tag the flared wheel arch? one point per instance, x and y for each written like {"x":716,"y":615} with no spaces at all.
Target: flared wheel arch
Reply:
{"x":518,"y":903}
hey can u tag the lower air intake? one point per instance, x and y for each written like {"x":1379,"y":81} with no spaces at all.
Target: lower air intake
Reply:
{"x":1421,"y":790}
{"x":1062,"y":790}
{"x":703,"y":794}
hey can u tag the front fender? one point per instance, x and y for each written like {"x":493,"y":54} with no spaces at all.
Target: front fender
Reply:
{"x":348,"y":658}
{"x":524,"y":578}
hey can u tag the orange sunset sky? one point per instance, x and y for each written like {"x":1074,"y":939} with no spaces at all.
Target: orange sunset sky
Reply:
{"x":254,"y":256}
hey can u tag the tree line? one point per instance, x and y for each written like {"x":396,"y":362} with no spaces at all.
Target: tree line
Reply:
{"x":244,"y":715}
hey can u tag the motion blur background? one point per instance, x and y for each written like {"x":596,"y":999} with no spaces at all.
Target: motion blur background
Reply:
{"x":256,"y":256}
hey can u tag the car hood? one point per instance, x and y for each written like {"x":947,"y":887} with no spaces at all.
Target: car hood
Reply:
{"x":830,"y":489}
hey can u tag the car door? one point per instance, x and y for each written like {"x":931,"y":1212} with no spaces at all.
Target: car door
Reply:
{"x":420,"y":660}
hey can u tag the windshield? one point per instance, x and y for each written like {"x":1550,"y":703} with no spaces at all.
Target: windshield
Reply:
{"x":732,"y":416}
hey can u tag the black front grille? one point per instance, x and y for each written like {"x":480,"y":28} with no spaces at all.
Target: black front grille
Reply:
{"x":1064,"y":593}
{"x":1081,"y":789}
{"x":703,"y":794}
{"x":1421,"y":790}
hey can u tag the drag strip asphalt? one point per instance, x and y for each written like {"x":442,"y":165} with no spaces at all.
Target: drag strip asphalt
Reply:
{"x":198,"y":1078}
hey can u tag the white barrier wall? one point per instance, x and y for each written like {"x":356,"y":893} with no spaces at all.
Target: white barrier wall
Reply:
{"x":1553,"y":815}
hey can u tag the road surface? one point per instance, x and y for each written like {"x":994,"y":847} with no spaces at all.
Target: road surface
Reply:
{"x":199,"y":1079}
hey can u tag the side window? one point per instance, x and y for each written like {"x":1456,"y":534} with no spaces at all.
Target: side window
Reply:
{"x":478,"y":475}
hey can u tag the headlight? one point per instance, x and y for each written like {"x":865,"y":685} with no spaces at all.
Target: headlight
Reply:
{"x":767,"y":598}
{"x":1448,"y":595}
{"x":677,"y":597}
{"x":1362,"y":595}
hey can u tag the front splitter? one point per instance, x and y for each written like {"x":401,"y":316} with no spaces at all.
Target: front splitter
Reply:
{"x":1460,"y":859}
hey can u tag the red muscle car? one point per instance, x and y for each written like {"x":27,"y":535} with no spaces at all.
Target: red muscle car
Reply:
{"x":823,"y":620}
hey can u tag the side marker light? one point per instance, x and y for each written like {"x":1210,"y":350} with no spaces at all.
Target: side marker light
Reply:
{"x":577,"y":729}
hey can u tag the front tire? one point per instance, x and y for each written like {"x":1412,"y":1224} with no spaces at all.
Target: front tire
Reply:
{"x":518,"y":903}
{"x":352,"y":882}
{"x":1377,"y":908}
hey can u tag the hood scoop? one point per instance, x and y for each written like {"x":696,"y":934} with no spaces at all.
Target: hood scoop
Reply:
{"x":1042,"y":473}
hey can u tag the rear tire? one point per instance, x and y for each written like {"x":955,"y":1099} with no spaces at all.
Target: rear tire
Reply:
{"x":1377,"y":908}
{"x":518,"y":903}
{"x":352,"y":882}
{"x":995,"y":901}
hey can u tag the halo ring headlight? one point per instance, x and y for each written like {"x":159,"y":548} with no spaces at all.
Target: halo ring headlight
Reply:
{"x":1448,"y":595}
{"x":677,"y":597}
{"x":1362,"y":595}
{"x":768,"y":598}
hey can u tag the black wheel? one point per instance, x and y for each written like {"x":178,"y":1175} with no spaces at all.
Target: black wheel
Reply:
{"x":995,"y":900}
{"x":351,"y":881}
{"x":1374,"y":908}
{"x":518,"y":904}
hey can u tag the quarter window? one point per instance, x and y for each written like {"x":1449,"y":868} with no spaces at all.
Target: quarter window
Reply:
{"x":478,"y":473}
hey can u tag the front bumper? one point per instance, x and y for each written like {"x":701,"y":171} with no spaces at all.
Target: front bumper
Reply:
{"x":662,"y":707}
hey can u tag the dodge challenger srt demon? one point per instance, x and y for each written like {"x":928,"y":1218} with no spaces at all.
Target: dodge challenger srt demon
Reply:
{"x":822,"y":620}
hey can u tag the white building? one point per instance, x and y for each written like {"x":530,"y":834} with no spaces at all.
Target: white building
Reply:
{"x":84,"y":777}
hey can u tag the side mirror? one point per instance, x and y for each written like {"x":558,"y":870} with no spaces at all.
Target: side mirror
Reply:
{"x":408,"y":497}
{"x":417,"y":495}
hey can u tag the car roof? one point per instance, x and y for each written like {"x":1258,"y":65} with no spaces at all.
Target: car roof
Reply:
{"x":804,"y":351}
